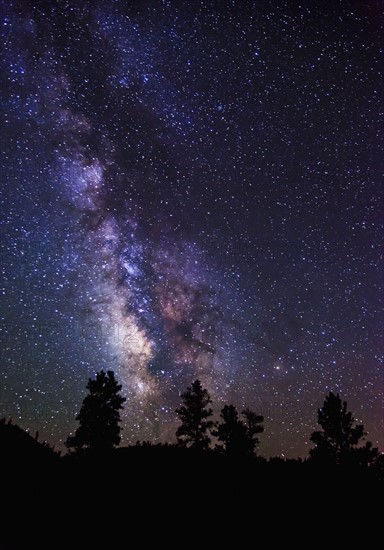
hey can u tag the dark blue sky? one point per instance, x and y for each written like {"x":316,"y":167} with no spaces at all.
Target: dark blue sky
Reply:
{"x":192,"y":190}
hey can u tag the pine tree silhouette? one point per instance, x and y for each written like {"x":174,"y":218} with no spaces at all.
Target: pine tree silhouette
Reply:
{"x":253,"y":422}
{"x":194,"y":416}
{"x":232,"y":432}
{"x":238,"y":436}
{"x":99,"y":415}
{"x":339,"y":440}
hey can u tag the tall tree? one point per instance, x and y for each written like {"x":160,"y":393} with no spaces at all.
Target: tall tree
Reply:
{"x":232,"y":432}
{"x":99,"y":415}
{"x":338,"y":441}
{"x":194,"y":415}
{"x":254,"y":426}
{"x":239,"y":437}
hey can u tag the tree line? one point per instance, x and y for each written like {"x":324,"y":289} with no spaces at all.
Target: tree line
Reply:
{"x":339,"y":442}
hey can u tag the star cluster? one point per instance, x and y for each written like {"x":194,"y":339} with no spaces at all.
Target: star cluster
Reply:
{"x":191,"y":190}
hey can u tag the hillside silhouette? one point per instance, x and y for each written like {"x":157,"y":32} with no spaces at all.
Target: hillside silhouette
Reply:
{"x":229,"y":442}
{"x":108,"y":482}
{"x":17,"y":447}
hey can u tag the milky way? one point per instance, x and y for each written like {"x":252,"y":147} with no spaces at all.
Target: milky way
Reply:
{"x":191,"y":190}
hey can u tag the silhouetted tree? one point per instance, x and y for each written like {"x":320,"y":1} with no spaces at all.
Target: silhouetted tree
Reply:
{"x":378,"y":467}
{"x":238,"y":436}
{"x":339,"y":440}
{"x":232,"y":432}
{"x":99,"y":415}
{"x":194,"y":416}
{"x":253,"y":422}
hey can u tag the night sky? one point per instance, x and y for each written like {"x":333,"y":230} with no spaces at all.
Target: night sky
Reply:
{"x":192,"y":190}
